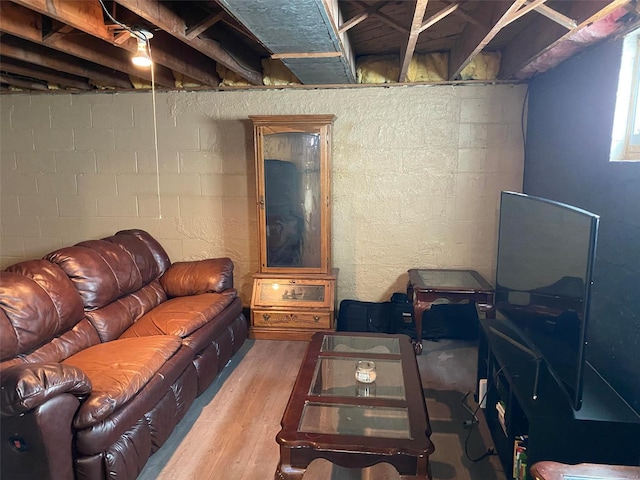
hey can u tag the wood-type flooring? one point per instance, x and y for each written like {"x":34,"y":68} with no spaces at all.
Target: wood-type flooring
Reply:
{"x":229,"y":432}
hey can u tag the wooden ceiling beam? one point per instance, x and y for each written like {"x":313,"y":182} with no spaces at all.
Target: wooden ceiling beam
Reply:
{"x":25,"y":84}
{"x":391,"y":22}
{"x":85,"y":16}
{"x":205,"y":24}
{"x":384,"y":18}
{"x":540,"y":36}
{"x":362,"y":16}
{"x":557,"y":17}
{"x":160,"y":15}
{"x":465,"y":16}
{"x":63,"y":30}
{"x":526,"y":8}
{"x":540,"y":7}
{"x":121,"y":37}
{"x":175,"y":56}
{"x":473,"y":39}
{"x":24,"y":23}
{"x":435,"y":18}
{"x":63,"y":63}
{"x":50,"y":76}
{"x":352,"y":22}
{"x":211,"y":7}
{"x":414,"y":33}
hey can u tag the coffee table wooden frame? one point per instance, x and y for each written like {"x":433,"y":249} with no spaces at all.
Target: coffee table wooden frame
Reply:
{"x":410,"y":457}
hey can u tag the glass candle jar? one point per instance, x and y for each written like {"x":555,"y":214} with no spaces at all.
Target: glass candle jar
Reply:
{"x":365,"y":371}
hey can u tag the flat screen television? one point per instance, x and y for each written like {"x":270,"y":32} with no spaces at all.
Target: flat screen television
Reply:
{"x":546,"y":251}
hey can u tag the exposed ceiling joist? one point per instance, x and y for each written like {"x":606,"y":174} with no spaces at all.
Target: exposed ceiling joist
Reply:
{"x":361,"y":17}
{"x":179,"y":58}
{"x":522,"y":11}
{"x":540,"y":35}
{"x":464,"y":15}
{"x":36,"y":54}
{"x":49,"y":33}
{"x":557,"y":17}
{"x":433,"y":19}
{"x":27,"y":24}
{"x":176,"y":57}
{"x":385,"y":18}
{"x":414,"y":31}
{"x":85,"y":16}
{"x":474,"y":38}
{"x":80,"y":45}
{"x":46,"y":75}
{"x":21,"y":83}
{"x":161,"y":16}
{"x":203,"y":25}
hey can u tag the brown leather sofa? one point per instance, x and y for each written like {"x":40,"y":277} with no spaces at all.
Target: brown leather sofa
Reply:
{"x":104,"y":346}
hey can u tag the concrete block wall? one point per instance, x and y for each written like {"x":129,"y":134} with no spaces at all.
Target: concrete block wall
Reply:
{"x":417,"y":173}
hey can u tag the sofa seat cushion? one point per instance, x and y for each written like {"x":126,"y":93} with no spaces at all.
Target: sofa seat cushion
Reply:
{"x":181,"y":316}
{"x":118,"y":370}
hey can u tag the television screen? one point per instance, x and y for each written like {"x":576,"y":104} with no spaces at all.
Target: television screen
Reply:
{"x":545,"y":257}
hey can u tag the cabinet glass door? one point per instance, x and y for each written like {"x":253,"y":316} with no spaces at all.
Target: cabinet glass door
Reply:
{"x":293,"y":168}
{"x":292,"y":200}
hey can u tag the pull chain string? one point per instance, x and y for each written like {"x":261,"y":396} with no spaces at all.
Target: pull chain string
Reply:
{"x":155,"y":131}
{"x":138,"y":35}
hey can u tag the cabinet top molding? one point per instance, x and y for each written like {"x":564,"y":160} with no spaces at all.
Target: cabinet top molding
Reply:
{"x":288,"y":119}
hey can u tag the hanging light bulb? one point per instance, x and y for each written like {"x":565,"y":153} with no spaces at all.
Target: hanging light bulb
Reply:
{"x":142,"y":57}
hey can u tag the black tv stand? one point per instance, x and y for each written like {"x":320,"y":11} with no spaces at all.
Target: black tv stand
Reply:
{"x":605,"y":430}
{"x":537,"y":358}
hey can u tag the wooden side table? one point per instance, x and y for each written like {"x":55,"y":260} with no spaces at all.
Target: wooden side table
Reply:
{"x":428,"y":285}
{"x":561,"y":471}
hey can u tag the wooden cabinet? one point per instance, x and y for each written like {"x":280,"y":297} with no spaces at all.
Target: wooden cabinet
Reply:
{"x":294,"y":289}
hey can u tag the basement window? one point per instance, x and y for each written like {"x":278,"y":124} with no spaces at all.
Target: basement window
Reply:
{"x":625,"y":140}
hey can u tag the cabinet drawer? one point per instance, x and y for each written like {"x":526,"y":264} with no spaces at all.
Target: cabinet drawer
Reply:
{"x":270,"y":318}
{"x":293,"y":292}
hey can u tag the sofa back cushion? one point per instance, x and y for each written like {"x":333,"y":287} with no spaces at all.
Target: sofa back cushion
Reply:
{"x":108,"y":269}
{"x":140,"y":244}
{"x":38,"y":302}
{"x":116,"y":277}
{"x":100,"y":271}
{"x":113,"y":319}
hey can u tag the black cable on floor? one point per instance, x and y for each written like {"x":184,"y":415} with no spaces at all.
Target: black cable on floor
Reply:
{"x":470,"y":424}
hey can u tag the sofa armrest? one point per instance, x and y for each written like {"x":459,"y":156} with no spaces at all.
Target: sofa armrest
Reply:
{"x":27,"y":386}
{"x":212,"y":275}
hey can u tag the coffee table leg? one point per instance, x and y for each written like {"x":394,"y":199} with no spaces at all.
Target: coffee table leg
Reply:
{"x":287,"y":472}
{"x":423,"y":473}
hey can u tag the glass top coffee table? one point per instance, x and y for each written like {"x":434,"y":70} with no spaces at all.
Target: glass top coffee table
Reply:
{"x":351,"y":423}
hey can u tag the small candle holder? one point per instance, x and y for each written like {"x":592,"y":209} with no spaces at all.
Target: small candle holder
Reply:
{"x":366,"y":371}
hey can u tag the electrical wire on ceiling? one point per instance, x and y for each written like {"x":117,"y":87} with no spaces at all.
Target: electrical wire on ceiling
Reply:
{"x":134,"y":32}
